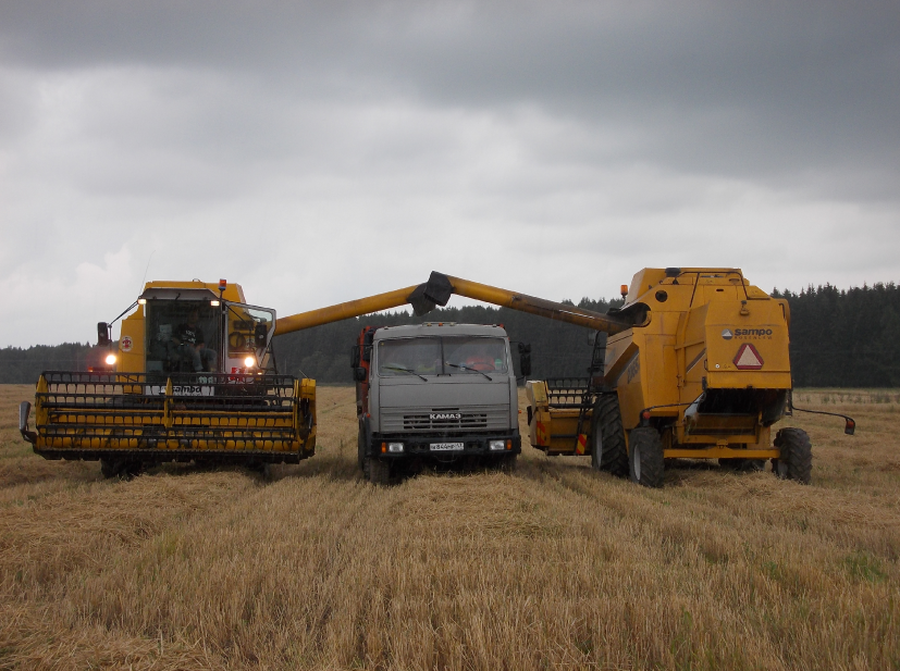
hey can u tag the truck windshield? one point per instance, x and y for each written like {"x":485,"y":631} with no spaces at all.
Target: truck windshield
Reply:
{"x":452,"y":355}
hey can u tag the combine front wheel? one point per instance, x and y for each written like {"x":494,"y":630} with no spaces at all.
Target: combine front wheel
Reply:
{"x":120,"y":468}
{"x":645,"y":459}
{"x":795,"y":462}
{"x":608,"y":450}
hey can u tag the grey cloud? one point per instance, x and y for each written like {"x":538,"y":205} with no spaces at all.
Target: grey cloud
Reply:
{"x":757,"y":90}
{"x":602,"y":136}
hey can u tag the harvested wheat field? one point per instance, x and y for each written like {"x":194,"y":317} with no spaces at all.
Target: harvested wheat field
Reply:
{"x":553,"y":566}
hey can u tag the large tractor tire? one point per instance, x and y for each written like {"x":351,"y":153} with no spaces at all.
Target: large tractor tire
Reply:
{"x":609,"y":451}
{"x":795,"y":462}
{"x":645,"y":457}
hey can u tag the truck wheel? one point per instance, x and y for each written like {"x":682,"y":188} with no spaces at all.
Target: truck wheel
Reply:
{"x":795,"y":462}
{"x":379,"y":471}
{"x":361,"y":449}
{"x":608,"y":448}
{"x":645,"y":459}
{"x":506,"y":463}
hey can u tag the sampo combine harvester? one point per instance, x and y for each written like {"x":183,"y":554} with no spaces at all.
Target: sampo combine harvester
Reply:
{"x":694,"y":365}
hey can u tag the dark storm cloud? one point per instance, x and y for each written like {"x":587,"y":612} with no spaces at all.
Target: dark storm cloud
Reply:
{"x":789,"y":93}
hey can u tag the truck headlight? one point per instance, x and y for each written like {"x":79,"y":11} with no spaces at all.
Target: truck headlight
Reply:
{"x":250,"y":362}
{"x":395,"y":447}
{"x":110,"y":359}
{"x":497,"y":445}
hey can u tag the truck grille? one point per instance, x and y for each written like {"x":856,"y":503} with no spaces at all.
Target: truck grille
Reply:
{"x":442,"y":420}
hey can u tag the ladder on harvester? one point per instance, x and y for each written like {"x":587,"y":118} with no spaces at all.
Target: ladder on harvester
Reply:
{"x":591,"y":392}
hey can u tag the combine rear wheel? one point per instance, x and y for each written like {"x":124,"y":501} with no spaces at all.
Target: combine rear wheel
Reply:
{"x":608,"y":449}
{"x":645,"y":459}
{"x":795,"y":462}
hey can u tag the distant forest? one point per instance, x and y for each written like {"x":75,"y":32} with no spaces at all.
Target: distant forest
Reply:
{"x":838,"y":339}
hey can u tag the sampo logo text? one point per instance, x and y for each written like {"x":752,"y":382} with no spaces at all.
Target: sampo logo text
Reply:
{"x":749,"y":333}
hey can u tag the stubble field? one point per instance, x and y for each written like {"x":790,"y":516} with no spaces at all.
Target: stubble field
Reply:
{"x":551,"y":567}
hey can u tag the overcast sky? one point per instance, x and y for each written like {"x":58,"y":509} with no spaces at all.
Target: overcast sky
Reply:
{"x":320,"y":152}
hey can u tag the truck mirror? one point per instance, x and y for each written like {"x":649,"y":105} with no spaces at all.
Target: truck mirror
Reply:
{"x":354,"y":357}
{"x":525,"y":365}
{"x":103,"y":334}
{"x":359,"y":374}
{"x":367,"y":353}
{"x":525,"y":359}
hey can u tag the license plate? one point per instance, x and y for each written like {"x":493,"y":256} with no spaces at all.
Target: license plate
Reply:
{"x":447,"y":447}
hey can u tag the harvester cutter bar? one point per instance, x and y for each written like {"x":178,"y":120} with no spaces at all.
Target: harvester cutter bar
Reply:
{"x":91,"y":415}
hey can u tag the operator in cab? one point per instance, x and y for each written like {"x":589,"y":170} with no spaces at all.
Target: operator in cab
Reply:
{"x":192,"y":344}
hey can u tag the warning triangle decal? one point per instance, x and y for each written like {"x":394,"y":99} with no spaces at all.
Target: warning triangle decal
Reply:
{"x":748,"y":358}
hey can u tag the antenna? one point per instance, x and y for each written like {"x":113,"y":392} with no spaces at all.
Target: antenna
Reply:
{"x":146,"y":270}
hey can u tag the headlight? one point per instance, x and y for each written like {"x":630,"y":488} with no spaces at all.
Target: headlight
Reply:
{"x":395,"y":447}
{"x":250,"y":362}
{"x":110,"y":359}
{"x":497,"y":445}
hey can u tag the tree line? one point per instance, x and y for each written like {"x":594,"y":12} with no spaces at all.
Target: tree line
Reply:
{"x":845,"y":338}
{"x":839,"y":338}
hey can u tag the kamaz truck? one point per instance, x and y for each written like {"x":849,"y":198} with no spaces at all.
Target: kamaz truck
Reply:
{"x":435,"y":394}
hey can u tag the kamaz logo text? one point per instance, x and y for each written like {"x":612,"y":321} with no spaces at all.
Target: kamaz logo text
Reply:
{"x":445,"y":415}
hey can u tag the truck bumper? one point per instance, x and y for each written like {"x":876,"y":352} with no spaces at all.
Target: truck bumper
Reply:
{"x":444,"y":447}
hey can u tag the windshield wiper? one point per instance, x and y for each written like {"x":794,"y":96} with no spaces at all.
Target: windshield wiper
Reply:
{"x":404,"y":369}
{"x":465,"y":367}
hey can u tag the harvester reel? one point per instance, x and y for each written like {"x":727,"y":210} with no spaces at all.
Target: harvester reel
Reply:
{"x":645,"y":458}
{"x":608,"y":448}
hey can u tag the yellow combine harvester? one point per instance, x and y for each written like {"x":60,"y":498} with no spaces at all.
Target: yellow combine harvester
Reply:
{"x":695,"y":366}
{"x":193,"y":378}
